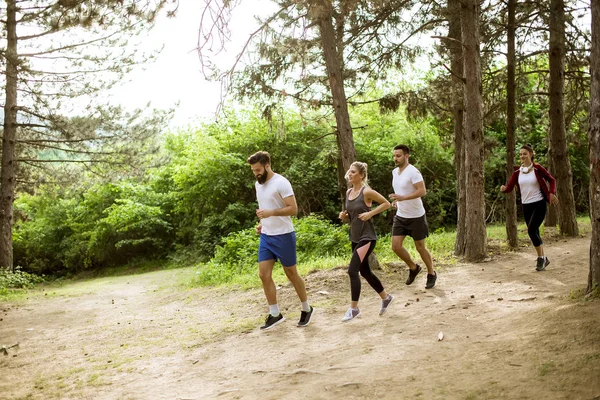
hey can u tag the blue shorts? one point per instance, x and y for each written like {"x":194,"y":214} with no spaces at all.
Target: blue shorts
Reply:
{"x":278,"y":247}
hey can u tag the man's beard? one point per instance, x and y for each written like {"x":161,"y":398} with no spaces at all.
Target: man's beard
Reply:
{"x":262,"y":178}
{"x":401,"y":163}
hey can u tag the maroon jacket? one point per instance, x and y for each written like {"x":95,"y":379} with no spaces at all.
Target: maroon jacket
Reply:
{"x":543,"y":177}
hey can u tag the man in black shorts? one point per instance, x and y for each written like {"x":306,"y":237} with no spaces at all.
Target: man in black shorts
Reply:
{"x":410,"y":219}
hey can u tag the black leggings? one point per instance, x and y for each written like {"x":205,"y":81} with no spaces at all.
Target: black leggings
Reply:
{"x":362,"y":265}
{"x":534,"y":216}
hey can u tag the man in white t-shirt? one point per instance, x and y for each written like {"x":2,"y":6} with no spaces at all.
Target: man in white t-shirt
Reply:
{"x":410,"y":219}
{"x":276,"y":205}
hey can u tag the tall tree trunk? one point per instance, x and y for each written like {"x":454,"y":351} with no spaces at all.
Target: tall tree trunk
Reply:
{"x":558,"y":152}
{"x":7,"y":174}
{"x":476,"y":248}
{"x":511,"y":105}
{"x":321,"y":12}
{"x":456,"y":66}
{"x":594,"y":144}
{"x":552,"y":211}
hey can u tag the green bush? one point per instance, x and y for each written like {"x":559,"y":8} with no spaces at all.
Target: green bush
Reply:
{"x":18,"y":279}
{"x":58,"y":232}
{"x":236,"y":259}
{"x":317,"y":237}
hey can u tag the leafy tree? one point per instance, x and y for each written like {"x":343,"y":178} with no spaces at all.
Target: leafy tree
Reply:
{"x":108,"y":224}
{"x":66,"y":50}
{"x":356,"y":42}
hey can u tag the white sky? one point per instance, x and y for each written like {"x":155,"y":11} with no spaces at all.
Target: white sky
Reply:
{"x":176,"y":75}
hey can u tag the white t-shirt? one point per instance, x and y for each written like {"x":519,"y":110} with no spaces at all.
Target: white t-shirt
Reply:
{"x":404,"y":184}
{"x":530,"y":188}
{"x":270,"y":196}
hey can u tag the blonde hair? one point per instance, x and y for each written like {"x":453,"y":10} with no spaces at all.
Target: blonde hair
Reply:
{"x":362,"y":169}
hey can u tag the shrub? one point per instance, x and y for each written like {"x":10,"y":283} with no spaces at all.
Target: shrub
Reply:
{"x":18,"y":279}
{"x":236,"y":259}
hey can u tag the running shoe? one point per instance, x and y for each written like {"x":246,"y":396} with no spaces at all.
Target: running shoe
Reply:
{"x":542,"y":263}
{"x":431,"y":280}
{"x":272,"y":321}
{"x":306,"y":316}
{"x":385,"y":304}
{"x":412,"y":274}
{"x":351,"y":314}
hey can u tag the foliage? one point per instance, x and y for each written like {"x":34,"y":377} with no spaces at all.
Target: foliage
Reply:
{"x":202,"y":190}
{"x":18,"y":279}
{"x":283,"y":59}
{"x":374,"y":145}
{"x":213,"y":185}
{"x":237,"y":257}
{"x":318,"y":237}
{"x":104,"y":226}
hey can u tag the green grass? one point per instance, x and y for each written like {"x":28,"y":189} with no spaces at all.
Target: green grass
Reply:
{"x":546,"y":368}
{"x":440,"y":244}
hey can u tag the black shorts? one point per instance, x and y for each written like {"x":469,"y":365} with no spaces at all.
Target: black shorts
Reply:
{"x":416,"y":228}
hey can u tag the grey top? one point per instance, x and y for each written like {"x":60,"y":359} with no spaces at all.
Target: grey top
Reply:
{"x":359,"y":229}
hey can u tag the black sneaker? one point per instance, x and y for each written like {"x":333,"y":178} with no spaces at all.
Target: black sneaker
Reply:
{"x":272,"y":321}
{"x":542,"y":263}
{"x":305,"y":317}
{"x":431,"y":280}
{"x":412,"y":274}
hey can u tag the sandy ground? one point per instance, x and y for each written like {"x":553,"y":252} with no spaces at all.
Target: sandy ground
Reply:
{"x":509,"y":333}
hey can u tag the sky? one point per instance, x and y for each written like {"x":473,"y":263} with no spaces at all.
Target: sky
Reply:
{"x":176,"y":76}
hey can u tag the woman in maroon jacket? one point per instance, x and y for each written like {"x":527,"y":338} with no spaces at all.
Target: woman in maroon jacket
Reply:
{"x":537,"y":189}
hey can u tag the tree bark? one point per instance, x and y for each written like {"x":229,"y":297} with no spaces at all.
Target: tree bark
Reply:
{"x":476,"y":247}
{"x":552,"y":212}
{"x":511,"y":105}
{"x":594,"y":149}
{"x":456,"y":66}
{"x":321,"y":12}
{"x":559,"y":152}
{"x":7,"y":174}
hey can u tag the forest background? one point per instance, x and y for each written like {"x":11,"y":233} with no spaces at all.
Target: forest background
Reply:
{"x":156,"y":197}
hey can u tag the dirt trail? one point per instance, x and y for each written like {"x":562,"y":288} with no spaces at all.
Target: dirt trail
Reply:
{"x":509,"y":332}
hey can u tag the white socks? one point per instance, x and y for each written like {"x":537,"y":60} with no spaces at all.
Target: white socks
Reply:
{"x":274,"y":309}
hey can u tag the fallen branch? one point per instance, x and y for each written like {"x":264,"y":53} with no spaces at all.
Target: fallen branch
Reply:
{"x":4,"y":349}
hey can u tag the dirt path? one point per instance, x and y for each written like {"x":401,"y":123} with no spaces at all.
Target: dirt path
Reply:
{"x":509,"y":332}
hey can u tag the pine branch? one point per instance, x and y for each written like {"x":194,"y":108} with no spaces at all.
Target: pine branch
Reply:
{"x":35,"y":160}
{"x":86,"y":43}
{"x":73,"y":151}
{"x":34,"y":141}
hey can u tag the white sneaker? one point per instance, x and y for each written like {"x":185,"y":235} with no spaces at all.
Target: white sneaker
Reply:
{"x":351,"y":314}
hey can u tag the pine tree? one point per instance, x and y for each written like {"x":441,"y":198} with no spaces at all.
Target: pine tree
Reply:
{"x":60,"y":54}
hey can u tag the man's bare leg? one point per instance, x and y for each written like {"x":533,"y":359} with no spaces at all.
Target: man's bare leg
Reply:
{"x":265,"y":273}
{"x":398,"y":248}
{"x":425,"y":255}
{"x":294,"y":277}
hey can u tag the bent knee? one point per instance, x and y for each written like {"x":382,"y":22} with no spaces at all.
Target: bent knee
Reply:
{"x":352,"y":273}
{"x":264,"y":276}
{"x":290,"y":272}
